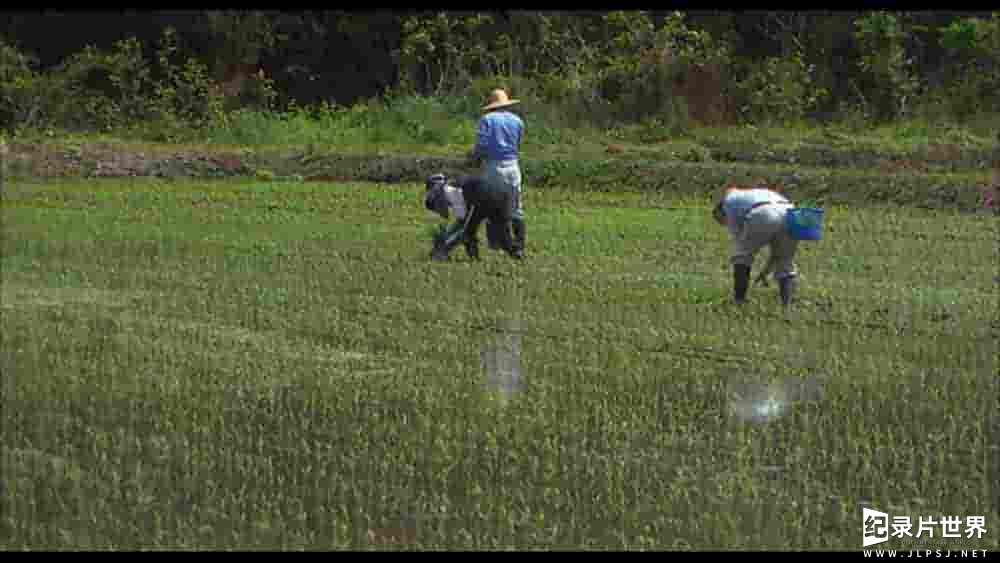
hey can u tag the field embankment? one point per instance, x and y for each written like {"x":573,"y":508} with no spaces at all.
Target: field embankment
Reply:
{"x":933,"y":177}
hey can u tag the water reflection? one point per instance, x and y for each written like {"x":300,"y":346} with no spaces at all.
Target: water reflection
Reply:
{"x":761,"y":403}
{"x":500,"y":353}
{"x":758,"y":399}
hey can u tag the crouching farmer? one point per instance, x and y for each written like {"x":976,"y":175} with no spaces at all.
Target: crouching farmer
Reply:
{"x":755,"y":218}
{"x":473,"y":202}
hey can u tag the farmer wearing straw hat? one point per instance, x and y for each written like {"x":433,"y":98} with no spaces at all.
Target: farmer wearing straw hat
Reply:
{"x":498,"y":145}
{"x":755,"y":217}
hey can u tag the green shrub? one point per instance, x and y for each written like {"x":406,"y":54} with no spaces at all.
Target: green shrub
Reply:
{"x":89,"y":90}
{"x":889,"y":80}
{"x":636,"y":94}
{"x":107,"y":89}
{"x":186,"y":95}
{"x":259,"y":93}
{"x":113,"y":90}
{"x":778,"y":90}
{"x":973,"y":44}
{"x":23,"y":95}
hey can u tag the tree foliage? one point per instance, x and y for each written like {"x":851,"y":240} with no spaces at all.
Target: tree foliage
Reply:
{"x":604,"y":67}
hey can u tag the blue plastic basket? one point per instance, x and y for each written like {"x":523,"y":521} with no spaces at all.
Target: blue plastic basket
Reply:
{"x":805,"y":223}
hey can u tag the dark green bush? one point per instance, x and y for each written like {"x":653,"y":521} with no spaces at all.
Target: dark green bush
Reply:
{"x":23,"y":94}
{"x":973,"y":87}
{"x":777,"y":90}
{"x":96,"y":90}
{"x":186,"y":94}
{"x":889,"y":83}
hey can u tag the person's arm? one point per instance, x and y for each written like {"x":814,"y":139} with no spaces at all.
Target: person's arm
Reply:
{"x":462,"y":201}
{"x":461,"y":206}
{"x":457,"y":201}
{"x":482,"y":138}
{"x":732,"y":221}
{"x":520,"y":134}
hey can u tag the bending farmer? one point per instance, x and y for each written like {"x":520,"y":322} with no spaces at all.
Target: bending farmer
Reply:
{"x":473,"y":201}
{"x":755,"y":218}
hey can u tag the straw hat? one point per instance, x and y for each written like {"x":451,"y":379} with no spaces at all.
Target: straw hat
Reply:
{"x":498,"y":99}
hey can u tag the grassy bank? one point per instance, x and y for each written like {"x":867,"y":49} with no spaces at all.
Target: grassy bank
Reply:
{"x":913,"y":163}
{"x":445,"y":126}
{"x":653,"y":174}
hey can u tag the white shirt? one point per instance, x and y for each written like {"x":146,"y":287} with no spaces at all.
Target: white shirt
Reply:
{"x":737,"y":205}
{"x":456,"y":200}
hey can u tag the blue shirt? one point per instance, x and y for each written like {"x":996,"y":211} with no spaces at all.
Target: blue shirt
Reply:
{"x":499,"y":136}
{"x":737,"y":204}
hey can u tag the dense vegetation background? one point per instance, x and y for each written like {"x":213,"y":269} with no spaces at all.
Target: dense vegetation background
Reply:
{"x":164,"y":75}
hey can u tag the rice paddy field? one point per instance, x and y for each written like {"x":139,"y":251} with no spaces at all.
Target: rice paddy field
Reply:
{"x":241,"y":364}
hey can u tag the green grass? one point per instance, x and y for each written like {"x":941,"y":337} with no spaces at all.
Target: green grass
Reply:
{"x":446,"y":126}
{"x":429,"y":126}
{"x":908,"y":137}
{"x":237,"y":364}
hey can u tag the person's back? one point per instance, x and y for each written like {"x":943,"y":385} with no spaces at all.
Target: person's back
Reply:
{"x":499,"y":136}
{"x":472,"y":189}
{"x":755,"y":218}
{"x":739,"y":201}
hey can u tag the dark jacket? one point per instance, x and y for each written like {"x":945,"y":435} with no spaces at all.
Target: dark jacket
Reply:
{"x":481,"y":204}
